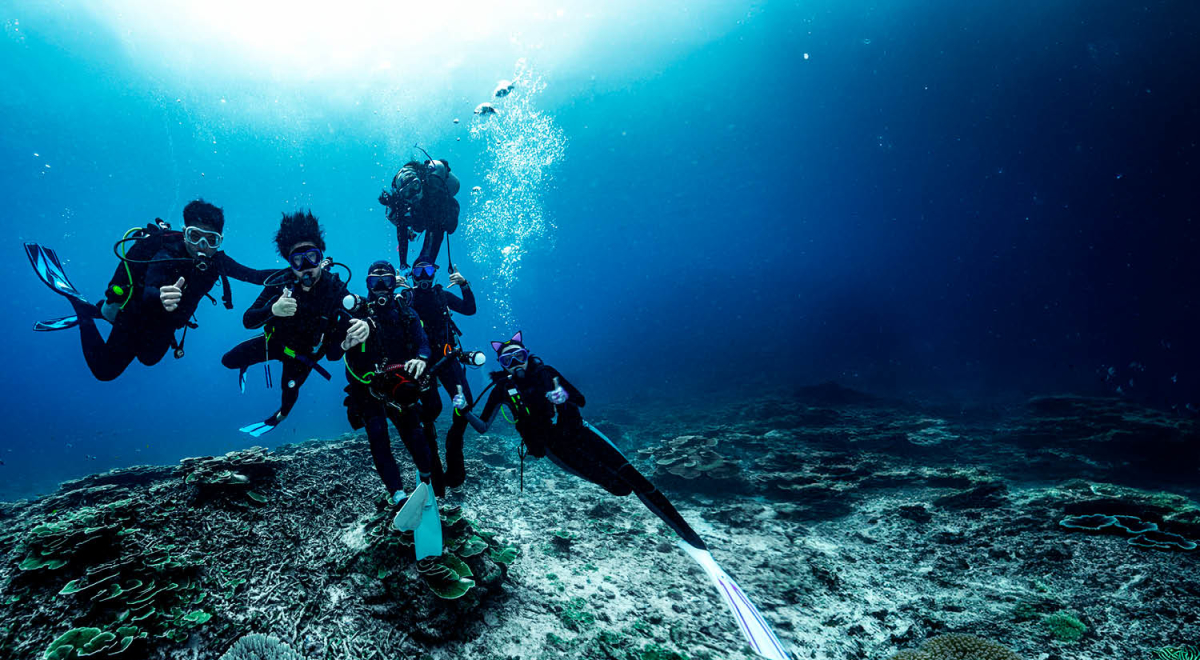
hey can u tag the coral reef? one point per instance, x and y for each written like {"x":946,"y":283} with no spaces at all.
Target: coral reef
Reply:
{"x":862,"y":528}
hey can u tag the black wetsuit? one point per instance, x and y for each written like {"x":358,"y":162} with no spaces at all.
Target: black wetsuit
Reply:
{"x":315,"y":331}
{"x":145,"y":330}
{"x":434,"y":306}
{"x":436,"y":214}
{"x":396,"y":337}
{"x":571,"y":443}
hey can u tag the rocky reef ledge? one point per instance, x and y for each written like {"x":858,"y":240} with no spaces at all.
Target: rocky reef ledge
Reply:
{"x":863,"y":528}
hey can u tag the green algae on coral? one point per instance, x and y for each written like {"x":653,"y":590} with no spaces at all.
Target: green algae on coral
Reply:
{"x":958,"y":647}
{"x":1064,"y":627}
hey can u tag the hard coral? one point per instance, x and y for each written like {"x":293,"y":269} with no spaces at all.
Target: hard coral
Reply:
{"x":237,"y":470}
{"x":958,"y":647}
{"x":260,"y":647}
{"x":88,"y":531}
{"x":692,"y":457}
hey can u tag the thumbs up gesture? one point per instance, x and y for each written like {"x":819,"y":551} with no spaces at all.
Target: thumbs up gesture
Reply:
{"x":558,"y":395}
{"x":286,"y":305}
{"x":459,"y":400}
{"x":171,"y":295}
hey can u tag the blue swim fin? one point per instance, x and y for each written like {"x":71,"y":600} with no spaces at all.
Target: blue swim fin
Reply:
{"x":428,"y":535}
{"x":759,"y":635}
{"x":50,"y":270}
{"x":266,"y":426}
{"x":64,"y":323}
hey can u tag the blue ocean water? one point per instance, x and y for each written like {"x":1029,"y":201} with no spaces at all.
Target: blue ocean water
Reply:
{"x":961,"y":201}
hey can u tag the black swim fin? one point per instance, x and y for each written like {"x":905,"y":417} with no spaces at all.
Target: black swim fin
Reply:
{"x":50,"y":270}
{"x":65,"y":323}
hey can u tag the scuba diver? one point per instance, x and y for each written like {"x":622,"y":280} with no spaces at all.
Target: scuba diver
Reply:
{"x":545,"y":409}
{"x":422,"y":200}
{"x":300,"y":312}
{"x":155,"y":290}
{"x":386,"y":375}
{"x":433,"y":304}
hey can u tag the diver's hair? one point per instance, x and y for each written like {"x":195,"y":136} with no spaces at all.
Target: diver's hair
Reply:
{"x":200,"y":212}
{"x":296,"y":228}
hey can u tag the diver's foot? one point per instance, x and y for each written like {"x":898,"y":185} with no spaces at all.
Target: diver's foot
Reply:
{"x":84,"y":309}
{"x":456,"y":471}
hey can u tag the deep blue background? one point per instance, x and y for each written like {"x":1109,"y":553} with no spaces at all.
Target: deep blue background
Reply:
{"x":964,"y":201}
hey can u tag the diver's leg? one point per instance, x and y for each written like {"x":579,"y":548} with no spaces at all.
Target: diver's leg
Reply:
{"x":381,"y":453}
{"x":408,"y":423}
{"x":659,"y":505}
{"x":576,"y":458}
{"x":107,"y":360}
{"x":431,"y":407}
{"x":608,"y":467}
{"x":456,"y":471}
{"x":154,"y":347}
{"x":431,"y":245}
{"x":246,"y":354}
{"x":294,"y":374}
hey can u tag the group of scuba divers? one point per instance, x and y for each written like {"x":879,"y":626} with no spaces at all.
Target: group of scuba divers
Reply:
{"x":396,"y":342}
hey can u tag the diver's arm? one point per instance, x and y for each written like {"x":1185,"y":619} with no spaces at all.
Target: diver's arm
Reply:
{"x":237,"y":271}
{"x":260,"y":312}
{"x":464,"y":305}
{"x":492,"y":407}
{"x":402,"y":241}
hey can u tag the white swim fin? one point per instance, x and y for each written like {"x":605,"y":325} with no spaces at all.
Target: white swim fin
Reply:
{"x":753,"y":626}
{"x":409,"y":516}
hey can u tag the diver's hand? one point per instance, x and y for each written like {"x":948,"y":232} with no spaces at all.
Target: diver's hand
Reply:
{"x":459,"y":400}
{"x":286,"y":305}
{"x":171,"y":295}
{"x":356,"y":334}
{"x":558,"y":395}
{"x":415,"y":367}
{"x":456,"y":278}
{"x":412,"y":235}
